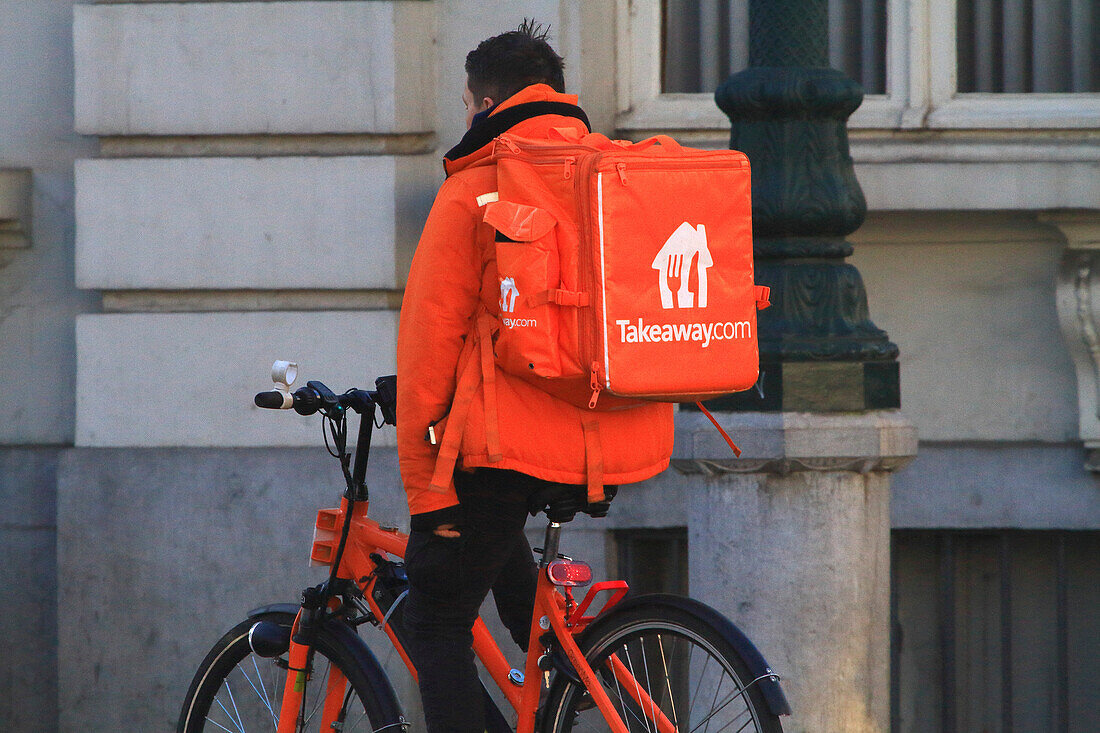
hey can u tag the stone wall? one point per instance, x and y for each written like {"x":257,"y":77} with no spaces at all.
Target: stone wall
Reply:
{"x":264,"y":170}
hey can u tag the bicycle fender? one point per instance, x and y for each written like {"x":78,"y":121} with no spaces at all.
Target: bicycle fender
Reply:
{"x":758,"y":666}
{"x":383,"y":698}
{"x":382,"y":704}
{"x":291,"y":608}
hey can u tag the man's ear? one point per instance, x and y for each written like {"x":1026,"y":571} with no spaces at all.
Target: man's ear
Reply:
{"x":486,"y":103}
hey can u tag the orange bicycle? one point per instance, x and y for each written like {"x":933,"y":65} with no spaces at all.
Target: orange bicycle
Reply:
{"x":654,"y":663}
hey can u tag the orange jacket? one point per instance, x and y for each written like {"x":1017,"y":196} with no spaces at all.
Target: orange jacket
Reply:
{"x":451,"y":295}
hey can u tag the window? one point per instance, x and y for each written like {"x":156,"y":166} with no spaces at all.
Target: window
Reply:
{"x":995,"y":630}
{"x":705,"y":41}
{"x":1025,"y":46}
{"x":653,"y":560}
{"x":941,"y":64}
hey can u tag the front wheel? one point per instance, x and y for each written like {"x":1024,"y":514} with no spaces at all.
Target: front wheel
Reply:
{"x":688,"y":670}
{"x":238,"y":691}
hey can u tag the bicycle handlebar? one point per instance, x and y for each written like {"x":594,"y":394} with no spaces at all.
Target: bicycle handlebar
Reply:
{"x":316,"y":397}
{"x":275,"y":400}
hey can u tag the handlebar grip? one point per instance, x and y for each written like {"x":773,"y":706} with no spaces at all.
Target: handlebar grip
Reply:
{"x":274,"y":400}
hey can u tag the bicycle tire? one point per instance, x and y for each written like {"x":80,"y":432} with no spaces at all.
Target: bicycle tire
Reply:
{"x":680,"y":659}
{"x":238,"y":691}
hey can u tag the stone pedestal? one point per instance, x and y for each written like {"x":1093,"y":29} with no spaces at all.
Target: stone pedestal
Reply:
{"x":792,"y":542}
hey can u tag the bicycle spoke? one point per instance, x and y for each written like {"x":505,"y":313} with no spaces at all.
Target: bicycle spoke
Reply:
{"x":208,"y":720}
{"x":668,"y":681}
{"x":262,"y":695}
{"x":236,"y":712}
{"x":618,"y":689}
{"x":743,"y":725}
{"x":320,"y":698}
{"x":713,"y":702}
{"x":702,"y":674}
{"x":637,"y":688}
{"x":726,"y":701}
{"x":622,"y":702}
{"x":277,"y":703}
{"x":652,"y":704}
{"x":355,"y":725}
{"x":232,"y":720}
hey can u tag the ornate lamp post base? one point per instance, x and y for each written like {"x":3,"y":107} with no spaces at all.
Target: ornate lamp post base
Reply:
{"x":804,"y":513}
{"x":802,"y":386}
{"x":819,"y":349}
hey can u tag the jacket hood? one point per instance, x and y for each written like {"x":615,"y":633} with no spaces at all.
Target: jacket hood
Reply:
{"x":530,"y":112}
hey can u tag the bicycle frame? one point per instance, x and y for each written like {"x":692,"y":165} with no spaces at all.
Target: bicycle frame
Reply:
{"x":555,"y":613}
{"x":350,"y":540}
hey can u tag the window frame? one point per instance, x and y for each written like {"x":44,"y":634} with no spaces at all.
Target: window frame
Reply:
{"x":921,"y":89}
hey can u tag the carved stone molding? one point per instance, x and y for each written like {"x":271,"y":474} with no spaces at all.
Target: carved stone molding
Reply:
{"x":787,"y":442}
{"x":15,"y":207}
{"x":1078,"y":298}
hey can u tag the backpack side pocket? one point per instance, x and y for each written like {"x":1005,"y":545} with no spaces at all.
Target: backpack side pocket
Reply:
{"x":531,"y":300}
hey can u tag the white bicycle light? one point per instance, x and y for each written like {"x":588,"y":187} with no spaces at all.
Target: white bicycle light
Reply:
{"x":283,"y":374}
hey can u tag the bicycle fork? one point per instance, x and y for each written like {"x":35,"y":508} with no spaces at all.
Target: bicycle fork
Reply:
{"x":292,"y":711}
{"x":294,"y":690}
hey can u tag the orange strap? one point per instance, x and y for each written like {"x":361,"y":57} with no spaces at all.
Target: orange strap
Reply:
{"x":489,"y":380}
{"x":460,"y":408}
{"x":456,"y":422}
{"x":666,"y":142}
{"x":734,"y":448}
{"x":465,"y":391}
{"x":593,"y":457}
{"x":763,"y":297}
{"x":558,"y":297}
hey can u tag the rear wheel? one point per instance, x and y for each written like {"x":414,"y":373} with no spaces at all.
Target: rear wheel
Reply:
{"x":238,"y":691}
{"x":689,"y":672}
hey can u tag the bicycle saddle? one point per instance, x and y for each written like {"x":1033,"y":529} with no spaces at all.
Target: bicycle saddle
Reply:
{"x":562,"y":502}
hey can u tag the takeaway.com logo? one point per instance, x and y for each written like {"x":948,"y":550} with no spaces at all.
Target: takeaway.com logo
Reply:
{"x":686,"y":245}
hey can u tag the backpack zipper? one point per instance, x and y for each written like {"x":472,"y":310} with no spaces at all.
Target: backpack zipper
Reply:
{"x":657,"y":165}
{"x":595,"y":384}
{"x":590,"y":333}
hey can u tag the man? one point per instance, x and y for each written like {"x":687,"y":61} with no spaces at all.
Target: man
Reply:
{"x":475,"y":442}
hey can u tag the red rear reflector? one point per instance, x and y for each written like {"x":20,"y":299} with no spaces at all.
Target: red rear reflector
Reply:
{"x":569,"y":572}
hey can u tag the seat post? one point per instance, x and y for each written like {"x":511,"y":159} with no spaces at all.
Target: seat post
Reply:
{"x":550,"y":544}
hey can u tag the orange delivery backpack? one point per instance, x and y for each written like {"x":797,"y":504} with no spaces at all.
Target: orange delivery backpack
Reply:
{"x":625,"y":269}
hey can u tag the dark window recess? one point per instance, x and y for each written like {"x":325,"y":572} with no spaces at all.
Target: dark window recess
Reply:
{"x":653,"y":560}
{"x":995,"y":631}
{"x":1023,"y":46}
{"x":704,"y":41}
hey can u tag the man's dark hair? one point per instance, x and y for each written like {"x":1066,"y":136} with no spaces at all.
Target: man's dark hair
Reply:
{"x":502,"y":65}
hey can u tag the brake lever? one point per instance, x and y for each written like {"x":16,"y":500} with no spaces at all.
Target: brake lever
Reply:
{"x":329,"y":400}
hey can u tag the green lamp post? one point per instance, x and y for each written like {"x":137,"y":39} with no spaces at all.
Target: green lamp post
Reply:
{"x":819,"y":349}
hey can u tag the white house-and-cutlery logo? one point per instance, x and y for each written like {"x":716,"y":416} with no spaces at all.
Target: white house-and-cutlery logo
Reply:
{"x":685,"y":246}
{"x":508,"y":295}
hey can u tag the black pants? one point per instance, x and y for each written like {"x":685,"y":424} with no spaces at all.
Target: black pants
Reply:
{"x":449,"y":578}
